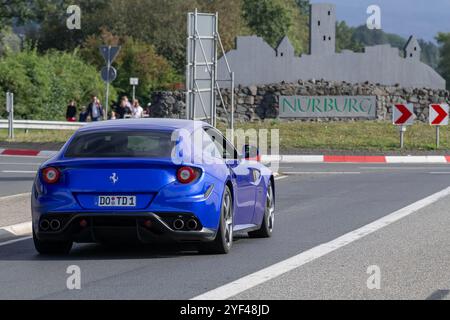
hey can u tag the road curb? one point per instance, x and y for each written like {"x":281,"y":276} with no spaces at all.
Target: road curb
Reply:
{"x":16,"y":231}
{"x":286,"y":158}
{"x":358,"y":159}
{"x":27,"y":152}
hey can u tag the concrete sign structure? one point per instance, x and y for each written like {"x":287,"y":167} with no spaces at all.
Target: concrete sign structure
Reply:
{"x":259,"y":64}
{"x":328,"y":107}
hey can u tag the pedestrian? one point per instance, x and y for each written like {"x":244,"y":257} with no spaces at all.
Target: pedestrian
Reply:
{"x":147,"y":110}
{"x":136,"y":111}
{"x":122,"y":110}
{"x":95,"y":109}
{"x":71,"y":112}
{"x":127,"y":102}
{"x":83,"y":114}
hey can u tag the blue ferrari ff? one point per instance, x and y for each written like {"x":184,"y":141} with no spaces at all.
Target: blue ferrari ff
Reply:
{"x":150,"y":180}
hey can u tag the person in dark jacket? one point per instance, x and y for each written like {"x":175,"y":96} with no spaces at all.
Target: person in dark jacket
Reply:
{"x":83,"y":114}
{"x":71,"y":113}
{"x":122,"y":110}
{"x":95,"y":109}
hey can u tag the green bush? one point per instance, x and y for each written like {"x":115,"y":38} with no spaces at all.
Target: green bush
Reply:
{"x":44,"y":84}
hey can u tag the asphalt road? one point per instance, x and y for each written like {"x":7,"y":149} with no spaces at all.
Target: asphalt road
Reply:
{"x":315,"y":204}
{"x":17,"y":174}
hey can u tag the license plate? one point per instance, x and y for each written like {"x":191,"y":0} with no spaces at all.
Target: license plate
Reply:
{"x":117,"y":201}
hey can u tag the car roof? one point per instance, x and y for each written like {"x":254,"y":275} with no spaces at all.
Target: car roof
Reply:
{"x":145,"y":124}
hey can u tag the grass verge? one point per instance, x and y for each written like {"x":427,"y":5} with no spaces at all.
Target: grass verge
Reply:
{"x":352,"y":136}
{"x":361,"y":136}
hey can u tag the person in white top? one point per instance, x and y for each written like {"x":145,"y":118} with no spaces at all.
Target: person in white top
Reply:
{"x":136,"y":110}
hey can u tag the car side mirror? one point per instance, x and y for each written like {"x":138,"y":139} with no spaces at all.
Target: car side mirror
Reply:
{"x":251,"y":153}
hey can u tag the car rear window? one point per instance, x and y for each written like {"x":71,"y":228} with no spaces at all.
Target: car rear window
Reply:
{"x":121,"y":144}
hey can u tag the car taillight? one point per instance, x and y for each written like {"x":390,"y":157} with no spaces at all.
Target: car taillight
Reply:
{"x":51,"y":175}
{"x":186,"y":175}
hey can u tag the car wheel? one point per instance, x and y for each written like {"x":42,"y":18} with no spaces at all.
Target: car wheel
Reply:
{"x":51,"y":247}
{"x":266,"y":229}
{"x":224,"y":238}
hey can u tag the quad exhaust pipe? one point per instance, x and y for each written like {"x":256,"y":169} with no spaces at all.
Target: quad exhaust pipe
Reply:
{"x":53,"y":225}
{"x":178,"y":224}
{"x":44,"y":224}
{"x":192,"y":224}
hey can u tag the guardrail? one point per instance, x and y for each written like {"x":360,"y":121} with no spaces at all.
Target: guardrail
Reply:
{"x":42,"y":125}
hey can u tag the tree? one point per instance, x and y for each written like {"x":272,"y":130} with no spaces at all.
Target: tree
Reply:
{"x":304,"y":6}
{"x":231,"y":21}
{"x":345,"y":38}
{"x":51,"y":16}
{"x":161,"y":23}
{"x":443,"y":40}
{"x":298,"y":32}
{"x":18,"y":11}
{"x":44,"y":84}
{"x":430,"y":53}
{"x":136,"y":59}
{"x":268,"y":19}
{"x":9,"y":41}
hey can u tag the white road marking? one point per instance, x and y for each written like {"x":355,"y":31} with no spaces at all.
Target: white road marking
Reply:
{"x":15,"y":196}
{"x":21,"y":229}
{"x":402,"y":168}
{"x":438,"y":173}
{"x":280,"y":178}
{"x":416,"y":159}
{"x":320,"y":173}
{"x":14,"y":241}
{"x":240,"y":285}
{"x":19,"y":171}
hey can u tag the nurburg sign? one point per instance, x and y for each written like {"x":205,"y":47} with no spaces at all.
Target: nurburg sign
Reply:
{"x":328,"y":107}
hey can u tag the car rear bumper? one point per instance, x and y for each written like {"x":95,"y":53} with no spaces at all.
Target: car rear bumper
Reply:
{"x":141,"y":227}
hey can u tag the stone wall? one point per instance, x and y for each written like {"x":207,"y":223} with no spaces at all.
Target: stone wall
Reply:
{"x":256,"y":103}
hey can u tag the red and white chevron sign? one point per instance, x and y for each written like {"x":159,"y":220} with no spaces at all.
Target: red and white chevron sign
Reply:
{"x":439,"y":114}
{"x":403,"y":114}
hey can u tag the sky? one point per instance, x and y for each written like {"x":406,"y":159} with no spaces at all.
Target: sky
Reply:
{"x":422,"y":18}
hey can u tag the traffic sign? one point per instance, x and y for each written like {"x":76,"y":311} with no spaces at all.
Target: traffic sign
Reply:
{"x":109,"y":53}
{"x":403,"y":114}
{"x":134,"y":81}
{"x":109,"y":74}
{"x":439,"y":114}
{"x":9,"y":101}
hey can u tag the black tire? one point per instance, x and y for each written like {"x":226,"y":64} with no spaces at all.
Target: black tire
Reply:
{"x":224,"y":237}
{"x":52,"y":247}
{"x":266,"y":229}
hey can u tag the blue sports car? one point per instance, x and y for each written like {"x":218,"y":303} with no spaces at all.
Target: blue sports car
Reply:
{"x":151,"y":181}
